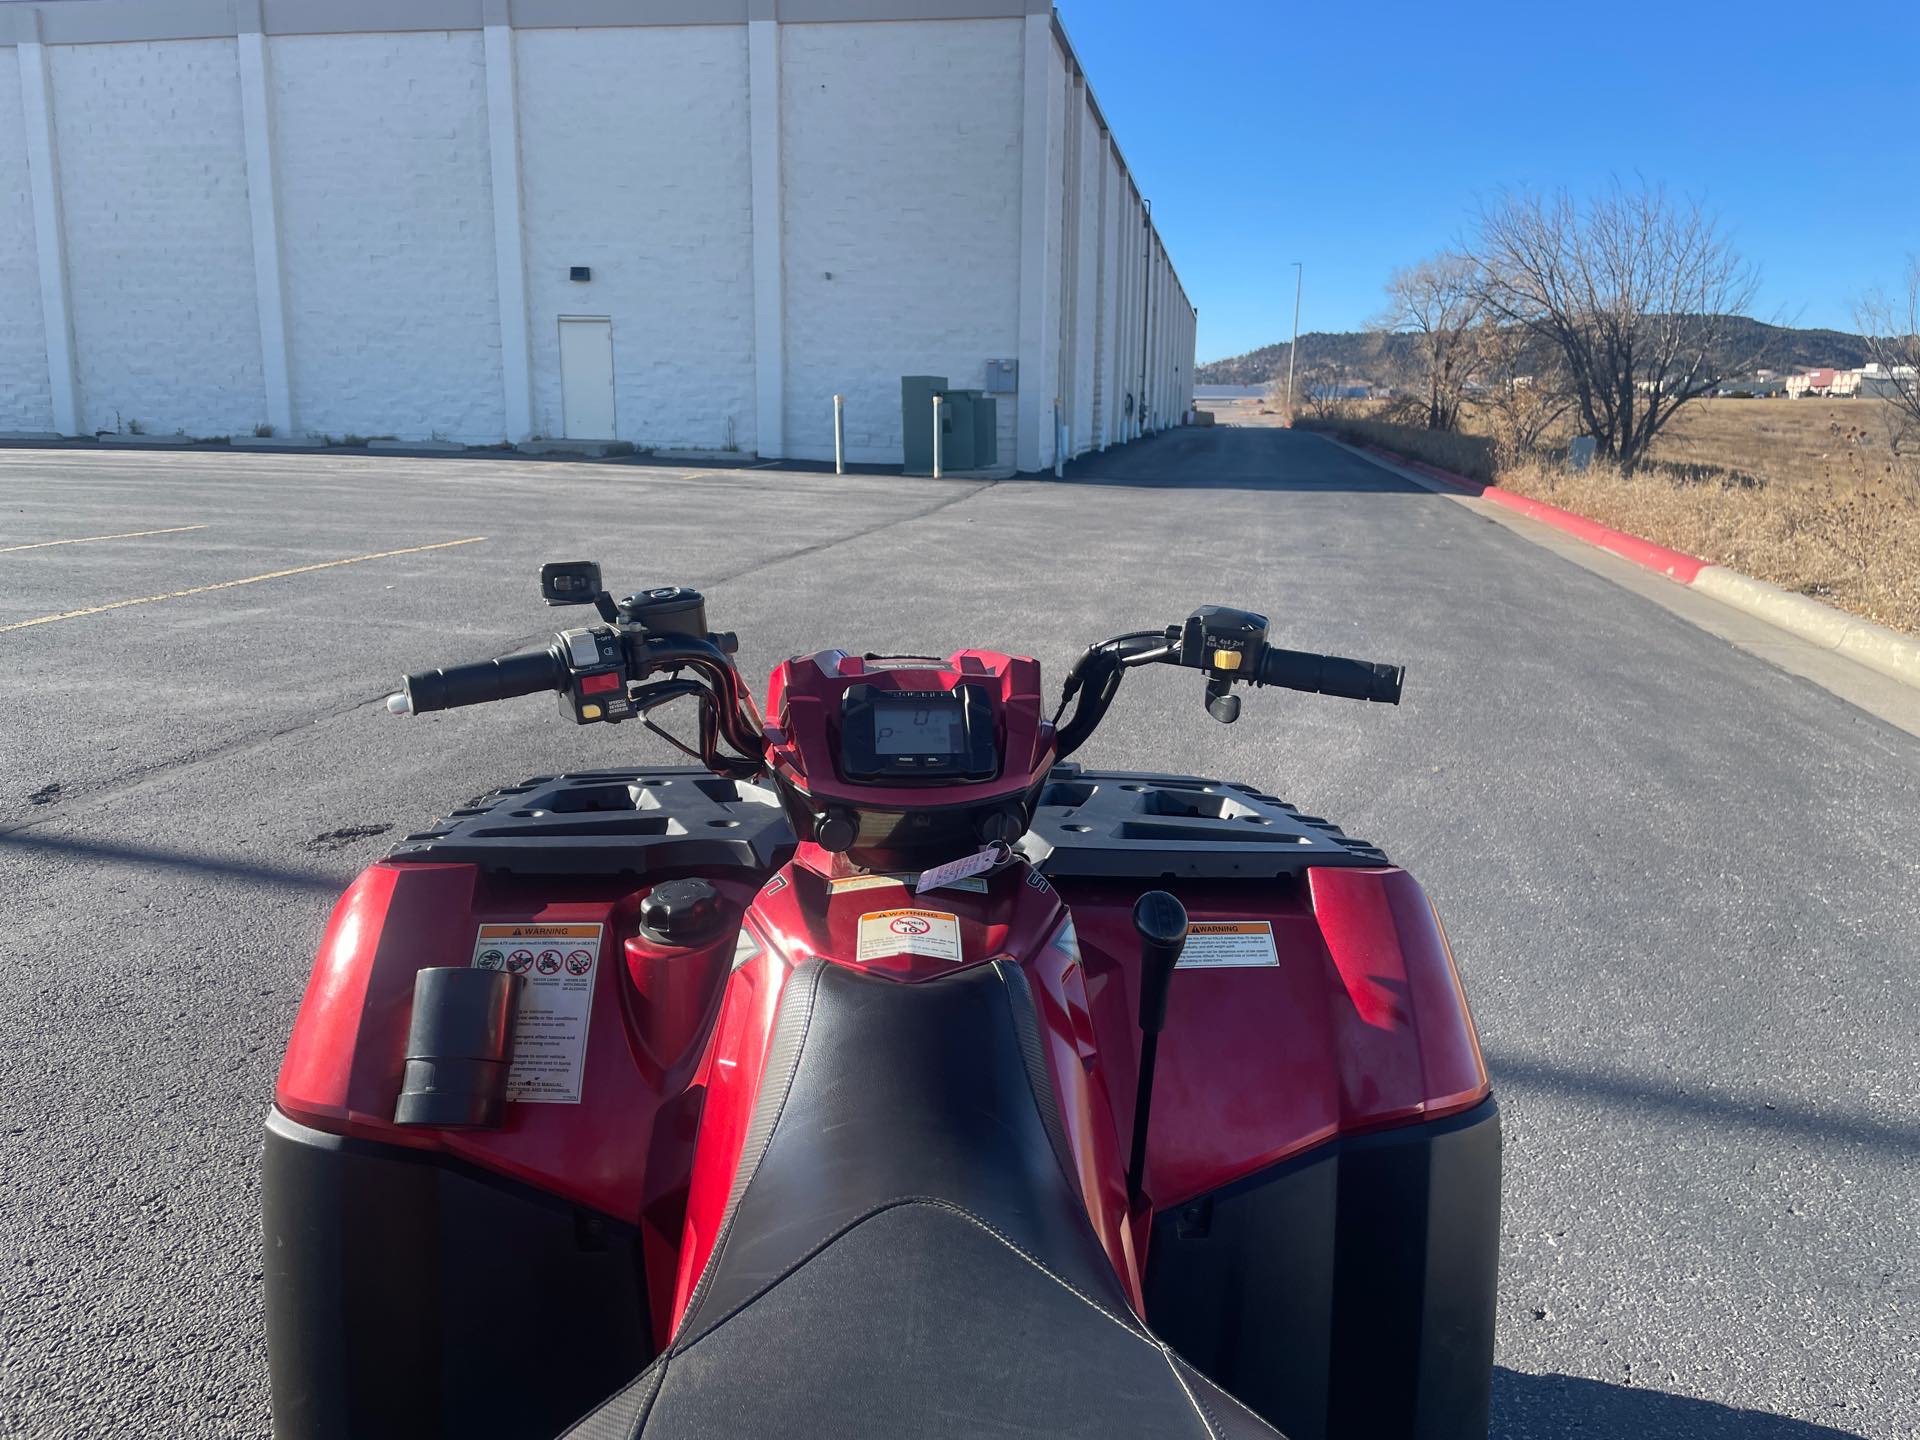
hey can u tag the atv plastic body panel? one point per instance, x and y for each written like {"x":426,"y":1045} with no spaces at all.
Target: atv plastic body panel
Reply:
{"x":1323,"y":1161}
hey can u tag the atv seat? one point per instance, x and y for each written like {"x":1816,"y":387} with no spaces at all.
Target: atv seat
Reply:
{"x":906,"y":1252}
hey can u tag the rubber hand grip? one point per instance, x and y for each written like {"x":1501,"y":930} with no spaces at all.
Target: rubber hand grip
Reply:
{"x":502,"y":679}
{"x":1331,"y":675}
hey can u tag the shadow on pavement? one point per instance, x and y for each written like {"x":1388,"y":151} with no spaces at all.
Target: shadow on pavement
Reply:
{"x":145,"y":857}
{"x":1755,"y":1111}
{"x":1544,"y":1407}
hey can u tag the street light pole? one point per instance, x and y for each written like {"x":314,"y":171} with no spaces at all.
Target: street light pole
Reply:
{"x":1293,"y":350}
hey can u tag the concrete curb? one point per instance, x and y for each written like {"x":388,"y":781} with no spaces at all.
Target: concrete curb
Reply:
{"x":276,"y":442}
{"x":1875,"y":646}
{"x":1894,"y":655}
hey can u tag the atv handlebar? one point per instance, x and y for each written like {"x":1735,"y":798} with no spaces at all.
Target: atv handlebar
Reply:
{"x":504,"y":679}
{"x":1231,"y":647}
{"x":1331,"y":675}
{"x":612,"y":671}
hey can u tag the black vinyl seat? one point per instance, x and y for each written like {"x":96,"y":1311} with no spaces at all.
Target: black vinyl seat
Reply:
{"x":905,"y":1251}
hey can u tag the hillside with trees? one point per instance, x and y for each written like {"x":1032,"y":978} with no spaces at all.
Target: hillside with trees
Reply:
{"x":1362,"y":352}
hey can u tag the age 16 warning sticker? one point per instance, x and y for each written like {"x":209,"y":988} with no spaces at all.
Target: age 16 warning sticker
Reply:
{"x":933,"y":933}
{"x":556,"y":964}
{"x":1228,"y":944}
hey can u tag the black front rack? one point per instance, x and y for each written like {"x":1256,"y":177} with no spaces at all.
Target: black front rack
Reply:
{"x":1095,"y":823}
{"x":1089,"y":823}
{"x":612,"y":822}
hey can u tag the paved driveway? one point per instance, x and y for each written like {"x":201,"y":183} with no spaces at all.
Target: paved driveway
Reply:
{"x":1684,"y":886}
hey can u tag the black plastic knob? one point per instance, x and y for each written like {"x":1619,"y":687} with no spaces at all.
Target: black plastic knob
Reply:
{"x":1161,"y":922}
{"x":835,"y":831}
{"x":683,"y":913}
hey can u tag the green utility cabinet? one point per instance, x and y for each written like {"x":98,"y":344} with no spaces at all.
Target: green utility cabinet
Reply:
{"x":969,"y":426}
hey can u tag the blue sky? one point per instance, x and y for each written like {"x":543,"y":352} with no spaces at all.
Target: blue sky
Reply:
{"x":1355,"y":137}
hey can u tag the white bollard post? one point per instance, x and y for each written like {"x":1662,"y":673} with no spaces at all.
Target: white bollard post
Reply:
{"x":839,"y":434}
{"x":936,"y":437}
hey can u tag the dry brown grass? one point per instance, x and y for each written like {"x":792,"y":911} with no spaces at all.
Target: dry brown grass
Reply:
{"x":1802,"y":493}
{"x":1783,"y":441}
{"x":1855,"y":544}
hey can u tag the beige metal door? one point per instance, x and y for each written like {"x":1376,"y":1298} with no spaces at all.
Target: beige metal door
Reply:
{"x":586,"y":377}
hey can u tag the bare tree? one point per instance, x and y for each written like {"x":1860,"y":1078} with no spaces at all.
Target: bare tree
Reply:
{"x":1637,"y":292}
{"x":1522,"y":383}
{"x":1892,"y":329}
{"x":1322,"y":392}
{"x":1436,"y":303}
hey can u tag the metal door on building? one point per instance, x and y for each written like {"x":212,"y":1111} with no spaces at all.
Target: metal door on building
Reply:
{"x":586,"y":377}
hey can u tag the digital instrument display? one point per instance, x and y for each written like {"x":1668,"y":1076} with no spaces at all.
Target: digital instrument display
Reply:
{"x":916,"y":735}
{"x":919,"y":727}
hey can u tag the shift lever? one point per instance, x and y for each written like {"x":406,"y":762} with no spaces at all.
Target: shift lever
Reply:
{"x":1161,"y":922}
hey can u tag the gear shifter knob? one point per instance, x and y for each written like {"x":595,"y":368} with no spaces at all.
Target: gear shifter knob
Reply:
{"x":1161,"y":922}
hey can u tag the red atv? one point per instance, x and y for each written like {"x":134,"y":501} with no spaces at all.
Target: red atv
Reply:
{"x":807,"y":1092}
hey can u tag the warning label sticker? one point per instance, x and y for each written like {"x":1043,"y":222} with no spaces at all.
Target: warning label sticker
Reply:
{"x":557,"y":964}
{"x":932,"y":933}
{"x":1226,"y":944}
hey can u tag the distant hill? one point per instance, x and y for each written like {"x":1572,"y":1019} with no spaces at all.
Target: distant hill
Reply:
{"x":1361,"y":352}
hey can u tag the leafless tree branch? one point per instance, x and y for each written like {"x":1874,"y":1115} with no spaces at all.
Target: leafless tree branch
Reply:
{"x":1634,"y":290}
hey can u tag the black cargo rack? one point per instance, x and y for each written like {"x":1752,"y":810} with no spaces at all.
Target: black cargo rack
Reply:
{"x":612,"y":822}
{"x":1089,"y":823}
{"x":1098,"y":823}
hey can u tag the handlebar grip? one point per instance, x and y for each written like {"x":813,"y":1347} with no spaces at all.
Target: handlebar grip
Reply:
{"x":1331,"y":675}
{"x":502,"y":679}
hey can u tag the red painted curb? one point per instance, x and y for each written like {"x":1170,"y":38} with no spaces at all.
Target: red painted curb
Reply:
{"x":1674,"y":564}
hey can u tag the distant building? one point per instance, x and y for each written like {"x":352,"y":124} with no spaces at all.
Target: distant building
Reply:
{"x":1869,"y":380}
{"x":1811,"y":382}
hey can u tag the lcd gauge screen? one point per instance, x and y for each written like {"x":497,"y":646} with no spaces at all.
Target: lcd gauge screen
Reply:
{"x":918,"y":727}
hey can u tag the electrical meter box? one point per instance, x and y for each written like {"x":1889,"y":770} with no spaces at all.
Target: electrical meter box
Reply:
{"x":969,"y":426}
{"x":1003,"y":377}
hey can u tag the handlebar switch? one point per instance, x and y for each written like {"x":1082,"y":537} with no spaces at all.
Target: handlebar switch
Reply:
{"x":1224,"y":641}
{"x":596,"y":686}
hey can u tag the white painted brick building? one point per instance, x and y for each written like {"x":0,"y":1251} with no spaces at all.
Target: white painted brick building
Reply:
{"x":363,"y":217}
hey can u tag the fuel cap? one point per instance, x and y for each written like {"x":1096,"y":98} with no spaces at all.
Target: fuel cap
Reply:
{"x":683,"y":913}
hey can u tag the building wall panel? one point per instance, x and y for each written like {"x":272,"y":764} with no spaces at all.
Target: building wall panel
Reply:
{"x":153,"y":188}
{"x":25,"y":402}
{"x":386,"y":226}
{"x":901,"y":172}
{"x":635,"y":151}
{"x":1086,"y":277}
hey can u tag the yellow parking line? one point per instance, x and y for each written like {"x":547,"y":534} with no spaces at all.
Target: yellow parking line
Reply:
{"x":89,"y":539}
{"x":229,"y":584}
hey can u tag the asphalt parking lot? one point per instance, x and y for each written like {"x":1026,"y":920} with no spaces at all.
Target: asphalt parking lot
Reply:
{"x":1684,"y":886}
